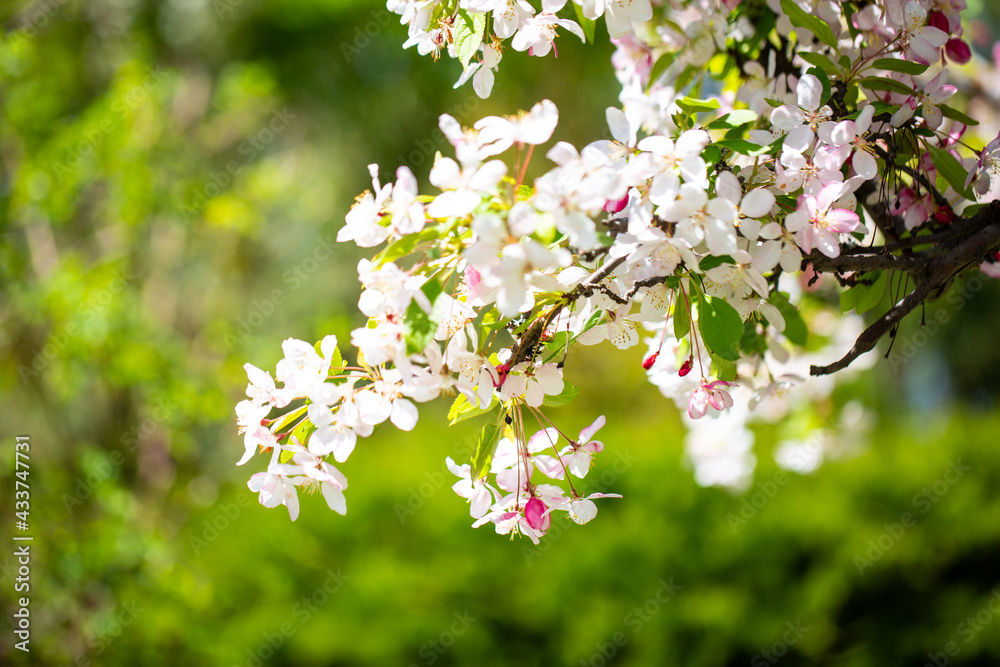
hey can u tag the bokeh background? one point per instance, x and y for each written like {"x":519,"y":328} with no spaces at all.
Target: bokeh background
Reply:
{"x":173,"y":176}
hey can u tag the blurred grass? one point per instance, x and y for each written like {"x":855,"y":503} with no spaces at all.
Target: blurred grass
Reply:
{"x":156,"y":236}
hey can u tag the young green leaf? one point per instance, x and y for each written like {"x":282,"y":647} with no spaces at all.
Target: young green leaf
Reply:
{"x":723,"y":368}
{"x":862,"y":297}
{"x":901,"y":66}
{"x":733,"y":119}
{"x":468,"y":35}
{"x":660,"y":66}
{"x":589,"y":25}
{"x":824,"y":80}
{"x":682,"y":319}
{"x":801,"y":19}
{"x":795,"y":326}
{"x":461,"y":410}
{"x":821,"y":61}
{"x":418,"y":328}
{"x":951,"y":169}
{"x":565,"y":397}
{"x":283,"y":422}
{"x":721,"y":327}
{"x":884,"y":84}
{"x":744,"y":147}
{"x":486,"y":446}
{"x":955,"y":114}
{"x":693,"y":105}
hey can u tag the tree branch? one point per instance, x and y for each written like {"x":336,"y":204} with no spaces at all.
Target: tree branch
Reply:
{"x":935,"y":275}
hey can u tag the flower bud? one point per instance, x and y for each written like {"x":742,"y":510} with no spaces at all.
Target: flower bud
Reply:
{"x":612,"y":206}
{"x":648,"y":362}
{"x":957,"y":51}
{"x":534,"y":513}
{"x":944,"y":214}
{"x":938,"y":20}
{"x":686,"y":367}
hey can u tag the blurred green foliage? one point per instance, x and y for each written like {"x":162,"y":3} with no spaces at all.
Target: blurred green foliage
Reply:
{"x":173,"y":177}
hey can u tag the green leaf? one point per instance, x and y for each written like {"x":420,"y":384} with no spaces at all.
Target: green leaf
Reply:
{"x":845,"y":62}
{"x":336,"y":360}
{"x":461,"y":410}
{"x":752,"y":342}
{"x":723,"y":368}
{"x":721,"y":327}
{"x":711,"y":154}
{"x":823,"y":79}
{"x":404,"y":246}
{"x":682,"y":319}
{"x":432,"y":289}
{"x":418,"y":328}
{"x":302,"y":431}
{"x":901,"y":66}
{"x":744,"y":147}
{"x":565,"y":397}
{"x":594,"y":320}
{"x":733,"y":119}
{"x":817,"y":26}
{"x":286,"y":420}
{"x":685,"y":77}
{"x":821,"y":61}
{"x":951,"y":169}
{"x":709,"y":262}
{"x":795,"y":326}
{"x":694,"y":105}
{"x":659,"y":67}
{"x":556,"y":346}
{"x":862,"y":298}
{"x":489,"y":438}
{"x":468,"y":35}
{"x":882,"y":83}
{"x":589,"y":25}
{"x":955,"y":114}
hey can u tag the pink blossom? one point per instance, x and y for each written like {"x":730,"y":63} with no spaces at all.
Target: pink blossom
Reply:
{"x":709,"y":394}
{"x":816,"y":223}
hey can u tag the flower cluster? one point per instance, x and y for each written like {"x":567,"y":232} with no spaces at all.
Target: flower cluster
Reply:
{"x":698,"y":226}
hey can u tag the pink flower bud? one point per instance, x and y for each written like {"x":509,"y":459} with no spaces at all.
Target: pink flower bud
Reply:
{"x":502,"y":371}
{"x":957,"y":51}
{"x":648,"y":362}
{"x":612,"y":206}
{"x":686,"y":367}
{"x":944,"y":214}
{"x":938,"y":20}
{"x":534,"y":513}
